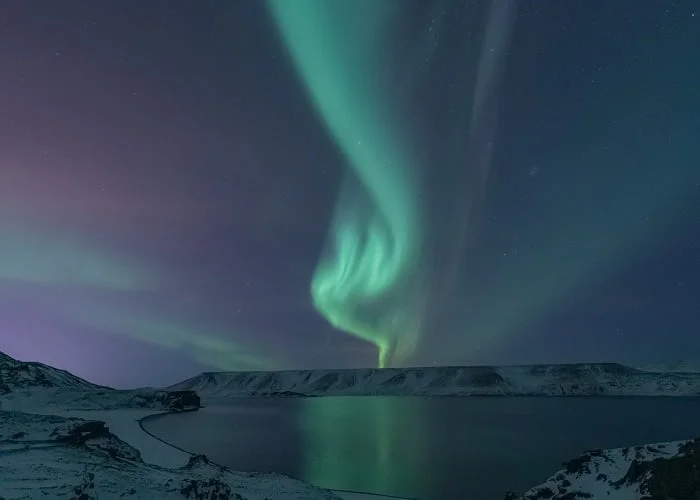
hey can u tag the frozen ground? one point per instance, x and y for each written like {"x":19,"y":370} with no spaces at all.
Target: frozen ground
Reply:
{"x":64,"y":438}
{"x":64,"y":457}
{"x":663,"y":471}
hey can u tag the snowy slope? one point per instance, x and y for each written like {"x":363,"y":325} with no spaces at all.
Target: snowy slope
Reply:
{"x":656,"y":471}
{"x":551,"y":380}
{"x":16,"y":375}
{"x":58,"y":458}
{"x":57,"y":441}
{"x":673,"y":367}
{"x":30,"y":387}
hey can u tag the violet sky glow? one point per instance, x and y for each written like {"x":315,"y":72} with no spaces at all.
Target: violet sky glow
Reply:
{"x":166,"y":187}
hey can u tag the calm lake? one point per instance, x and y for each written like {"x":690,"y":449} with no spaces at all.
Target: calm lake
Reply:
{"x":426,"y":448}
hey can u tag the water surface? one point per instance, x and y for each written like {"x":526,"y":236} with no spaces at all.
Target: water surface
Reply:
{"x":428,"y":448}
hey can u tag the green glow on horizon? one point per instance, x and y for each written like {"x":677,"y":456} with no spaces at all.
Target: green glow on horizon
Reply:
{"x":375,"y":242}
{"x":204,"y":344}
{"x":46,"y":258}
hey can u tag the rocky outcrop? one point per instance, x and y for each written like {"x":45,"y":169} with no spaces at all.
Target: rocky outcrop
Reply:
{"x":179,"y":400}
{"x":673,"y":477}
{"x":18,"y":429}
{"x":651,"y":472}
{"x":604,"y":379}
{"x":206,"y":489}
{"x":79,"y":432}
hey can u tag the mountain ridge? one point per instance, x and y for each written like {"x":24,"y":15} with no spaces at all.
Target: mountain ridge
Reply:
{"x":16,"y":375}
{"x":679,"y":366}
{"x":35,"y":386}
{"x":582,"y":379}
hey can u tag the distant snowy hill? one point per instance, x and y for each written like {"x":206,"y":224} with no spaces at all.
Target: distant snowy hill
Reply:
{"x":662,"y":471}
{"x":551,"y":380}
{"x":673,"y":367}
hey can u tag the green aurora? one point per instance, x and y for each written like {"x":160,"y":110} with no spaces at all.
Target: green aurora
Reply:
{"x":372,"y":281}
{"x":366,"y":282}
{"x":69,"y":261}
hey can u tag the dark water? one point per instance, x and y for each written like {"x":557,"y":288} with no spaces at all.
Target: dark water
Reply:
{"x":426,"y":448}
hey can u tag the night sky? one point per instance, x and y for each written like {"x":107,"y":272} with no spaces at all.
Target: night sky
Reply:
{"x":212,"y":185}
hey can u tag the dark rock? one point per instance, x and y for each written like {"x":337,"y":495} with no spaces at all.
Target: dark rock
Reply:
{"x":113,"y":447}
{"x":578,"y":465}
{"x":81,"y":432}
{"x":397,"y":379}
{"x":666,"y":478}
{"x":346,"y":381}
{"x":197,"y":460}
{"x":208,"y":489}
{"x":179,"y":400}
{"x":269,"y":382}
{"x":488,"y":378}
{"x":283,"y":394}
{"x":86,"y":489}
{"x":325,"y":382}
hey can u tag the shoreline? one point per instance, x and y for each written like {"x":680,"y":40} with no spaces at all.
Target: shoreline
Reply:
{"x":345,"y":494}
{"x":141,"y":420}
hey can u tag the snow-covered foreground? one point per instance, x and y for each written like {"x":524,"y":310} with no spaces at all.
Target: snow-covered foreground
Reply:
{"x":663,"y":471}
{"x":51,"y":456}
{"x":604,"y":379}
{"x":64,"y":438}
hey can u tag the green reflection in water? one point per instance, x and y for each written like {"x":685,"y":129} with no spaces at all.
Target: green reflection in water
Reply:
{"x":375,"y":444}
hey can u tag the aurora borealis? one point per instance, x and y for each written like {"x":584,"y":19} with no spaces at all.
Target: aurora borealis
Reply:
{"x":274,"y":184}
{"x":376,"y":234}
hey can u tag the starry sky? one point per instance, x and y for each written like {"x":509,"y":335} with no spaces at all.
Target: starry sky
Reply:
{"x":266,"y":184}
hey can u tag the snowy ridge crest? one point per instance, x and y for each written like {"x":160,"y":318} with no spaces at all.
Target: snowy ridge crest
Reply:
{"x":673,"y":367}
{"x":16,"y":375}
{"x":654,"y":471}
{"x":535,"y":380}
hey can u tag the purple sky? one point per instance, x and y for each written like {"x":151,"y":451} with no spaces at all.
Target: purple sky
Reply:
{"x":165,"y":192}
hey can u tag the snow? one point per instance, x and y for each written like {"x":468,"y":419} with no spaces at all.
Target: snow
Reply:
{"x":673,"y":367}
{"x":126,"y":425}
{"x":62,"y":437}
{"x":52,"y":456}
{"x":538,"y":380}
{"x":605,"y":474}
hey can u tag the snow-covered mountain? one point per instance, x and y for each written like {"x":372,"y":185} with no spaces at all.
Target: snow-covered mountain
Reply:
{"x":29,"y":386}
{"x":661,"y":471}
{"x":17,"y":375}
{"x":551,"y":380}
{"x":75,"y":459}
{"x":673,"y":367}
